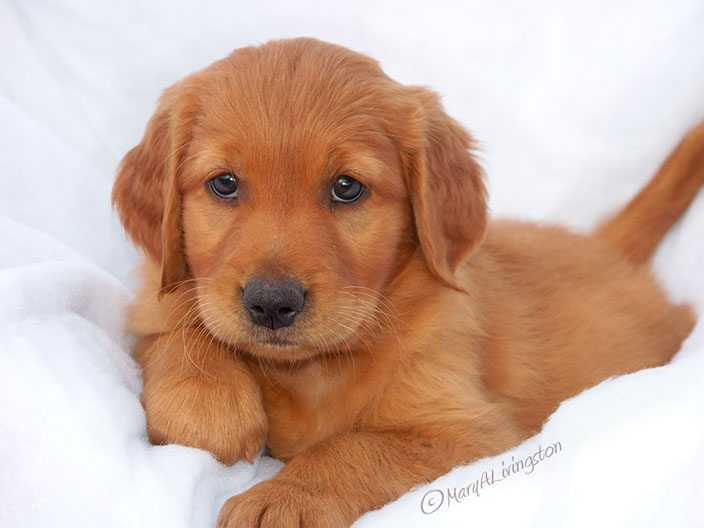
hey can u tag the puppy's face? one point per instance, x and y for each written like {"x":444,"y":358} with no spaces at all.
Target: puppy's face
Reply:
{"x":293,"y":215}
{"x":289,"y":184}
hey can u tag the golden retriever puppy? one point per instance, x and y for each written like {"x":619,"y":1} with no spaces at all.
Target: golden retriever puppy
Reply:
{"x":321,"y":276}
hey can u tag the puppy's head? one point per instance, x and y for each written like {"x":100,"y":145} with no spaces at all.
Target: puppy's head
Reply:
{"x":291,"y":183}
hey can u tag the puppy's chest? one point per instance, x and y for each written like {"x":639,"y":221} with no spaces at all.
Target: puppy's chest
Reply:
{"x":307,"y":410}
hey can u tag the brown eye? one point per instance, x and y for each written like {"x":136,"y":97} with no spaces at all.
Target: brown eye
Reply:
{"x":346,"y":189}
{"x":224,"y":185}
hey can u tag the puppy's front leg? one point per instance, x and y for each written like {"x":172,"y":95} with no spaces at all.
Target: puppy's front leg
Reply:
{"x":339,"y":479}
{"x":197,"y":393}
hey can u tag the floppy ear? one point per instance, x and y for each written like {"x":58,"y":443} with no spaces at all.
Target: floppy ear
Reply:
{"x":446,"y":187}
{"x":146,"y":192}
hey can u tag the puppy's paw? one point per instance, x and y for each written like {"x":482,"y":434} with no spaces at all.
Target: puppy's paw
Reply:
{"x":279,"y":503}
{"x":224,"y":416}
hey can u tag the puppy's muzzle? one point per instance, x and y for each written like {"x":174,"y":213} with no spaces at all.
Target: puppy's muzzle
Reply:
{"x":273,"y":303}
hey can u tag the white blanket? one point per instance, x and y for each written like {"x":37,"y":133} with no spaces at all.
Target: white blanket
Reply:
{"x":575,"y":107}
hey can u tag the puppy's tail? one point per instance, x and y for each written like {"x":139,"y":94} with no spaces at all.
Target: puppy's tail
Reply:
{"x":636,"y":231}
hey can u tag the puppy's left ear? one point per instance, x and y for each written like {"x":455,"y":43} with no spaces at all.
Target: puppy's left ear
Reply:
{"x":445,"y":184}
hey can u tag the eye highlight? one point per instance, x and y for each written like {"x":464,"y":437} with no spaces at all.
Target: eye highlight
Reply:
{"x":224,"y":185}
{"x":346,"y":189}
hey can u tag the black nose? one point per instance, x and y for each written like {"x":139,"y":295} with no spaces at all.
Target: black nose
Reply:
{"x":273,"y":303}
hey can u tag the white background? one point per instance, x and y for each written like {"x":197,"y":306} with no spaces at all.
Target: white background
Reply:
{"x":574,"y":105}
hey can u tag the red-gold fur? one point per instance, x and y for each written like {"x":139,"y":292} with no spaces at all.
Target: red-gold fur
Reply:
{"x":430,"y":337}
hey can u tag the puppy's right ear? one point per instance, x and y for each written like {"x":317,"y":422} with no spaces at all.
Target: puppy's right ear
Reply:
{"x":146,"y":192}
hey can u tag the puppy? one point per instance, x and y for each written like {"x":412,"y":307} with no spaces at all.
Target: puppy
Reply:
{"x":320,"y":276}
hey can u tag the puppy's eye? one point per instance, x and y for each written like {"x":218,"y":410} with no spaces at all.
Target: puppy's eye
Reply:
{"x":224,"y":185}
{"x":346,"y":189}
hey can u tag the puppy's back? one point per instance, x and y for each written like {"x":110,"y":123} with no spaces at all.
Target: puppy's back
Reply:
{"x":572,"y":312}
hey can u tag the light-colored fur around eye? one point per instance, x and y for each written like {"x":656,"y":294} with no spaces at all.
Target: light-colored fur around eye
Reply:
{"x":474,"y":331}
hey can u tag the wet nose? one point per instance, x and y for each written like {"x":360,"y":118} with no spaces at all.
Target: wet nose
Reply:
{"x":273,"y":303}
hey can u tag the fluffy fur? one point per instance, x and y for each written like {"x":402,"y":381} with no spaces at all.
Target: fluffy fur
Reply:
{"x":430,"y":336}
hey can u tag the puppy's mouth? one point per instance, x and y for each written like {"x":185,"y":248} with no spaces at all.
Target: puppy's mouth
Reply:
{"x":276,"y":341}
{"x":278,"y":348}
{"x":267,"y":341}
